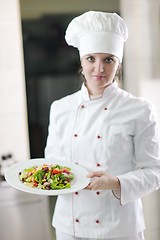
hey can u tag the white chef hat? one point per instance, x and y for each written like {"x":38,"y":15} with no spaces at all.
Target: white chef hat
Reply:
{"x":97,"y":32}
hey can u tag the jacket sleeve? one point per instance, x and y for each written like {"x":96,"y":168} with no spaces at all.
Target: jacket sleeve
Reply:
{"x":146,"y":176}
{"x":52,"y":141}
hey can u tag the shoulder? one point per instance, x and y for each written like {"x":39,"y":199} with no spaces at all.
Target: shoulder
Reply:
{"x":134,"y":101}
{"x":67,"y":101}
{"x":136,"y":107}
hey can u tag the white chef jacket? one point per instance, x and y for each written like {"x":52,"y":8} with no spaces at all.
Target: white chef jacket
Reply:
{"x":117,"y":134}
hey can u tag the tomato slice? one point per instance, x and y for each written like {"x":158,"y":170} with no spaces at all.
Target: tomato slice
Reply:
{"x":65,"y":170}
{"x":35,"y":184}
{"x":56,"y":171}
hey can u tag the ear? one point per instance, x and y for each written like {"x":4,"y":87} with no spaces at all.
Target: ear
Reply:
{"x":81,"y":70}
{"x":119,"y":66}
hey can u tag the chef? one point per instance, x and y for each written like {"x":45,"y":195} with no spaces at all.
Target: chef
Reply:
{"x":111,"y":133}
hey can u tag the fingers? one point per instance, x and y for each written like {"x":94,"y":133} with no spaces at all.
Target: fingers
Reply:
{"x":102,"y":181}
{"x":96,"y":174}
{"x":98,"y":180}
{"x":92,"y":186}
{"x":88,"y":187}
{"x":94,"y":183}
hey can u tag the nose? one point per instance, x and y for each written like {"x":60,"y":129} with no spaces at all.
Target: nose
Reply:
{"x":99,"y":67}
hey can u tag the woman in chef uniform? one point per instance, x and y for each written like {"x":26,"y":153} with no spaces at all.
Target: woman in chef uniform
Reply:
{"x":109,"y":132}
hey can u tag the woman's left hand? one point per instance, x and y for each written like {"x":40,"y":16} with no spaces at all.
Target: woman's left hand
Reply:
{"x":103,"y":181}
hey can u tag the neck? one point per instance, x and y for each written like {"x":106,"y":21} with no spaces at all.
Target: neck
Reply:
{"x":96,"y":91}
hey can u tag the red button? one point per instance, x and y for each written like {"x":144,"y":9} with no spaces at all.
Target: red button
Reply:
{"x":98,"y":136}
{"x":77,"y":220}
{"x":97,"y":221}
{"x":98,"y":164}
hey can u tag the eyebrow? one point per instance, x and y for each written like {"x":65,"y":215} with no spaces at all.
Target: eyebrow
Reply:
{"x":93,"y":54}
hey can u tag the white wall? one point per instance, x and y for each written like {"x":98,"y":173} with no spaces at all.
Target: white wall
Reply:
{"x":150,"y":87}
{"x":142,"y":78}
{"x":13,"y":116}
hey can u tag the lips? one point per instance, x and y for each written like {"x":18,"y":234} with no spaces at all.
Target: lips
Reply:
{"x":99,"y":77}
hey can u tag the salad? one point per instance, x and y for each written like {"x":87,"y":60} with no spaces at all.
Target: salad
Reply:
{"x":47,"y":177}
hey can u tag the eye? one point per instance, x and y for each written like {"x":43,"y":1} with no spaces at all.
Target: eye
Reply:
{"x":109,"y":60}
{"x":90,"y":59}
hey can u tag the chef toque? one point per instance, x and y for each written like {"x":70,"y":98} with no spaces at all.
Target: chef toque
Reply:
{"x":97,"y":32}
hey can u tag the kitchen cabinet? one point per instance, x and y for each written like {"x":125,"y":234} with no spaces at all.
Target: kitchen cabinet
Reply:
{"x":24,"y":216}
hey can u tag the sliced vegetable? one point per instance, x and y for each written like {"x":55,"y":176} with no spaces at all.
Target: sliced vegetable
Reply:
{"x":47,"y":177}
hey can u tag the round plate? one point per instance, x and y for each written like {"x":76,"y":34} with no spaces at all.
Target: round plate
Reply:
{"x":80,"y":176}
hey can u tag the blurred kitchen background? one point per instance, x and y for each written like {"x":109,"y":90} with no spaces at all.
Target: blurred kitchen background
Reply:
{"x":37,"y":67}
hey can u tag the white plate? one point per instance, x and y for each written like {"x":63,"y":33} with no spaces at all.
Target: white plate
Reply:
{"x":12,"y":176}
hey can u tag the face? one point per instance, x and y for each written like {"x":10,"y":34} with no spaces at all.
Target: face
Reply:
{"x":99,"y":70}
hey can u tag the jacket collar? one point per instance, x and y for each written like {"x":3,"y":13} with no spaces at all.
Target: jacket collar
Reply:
{"x":108,"y":91}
